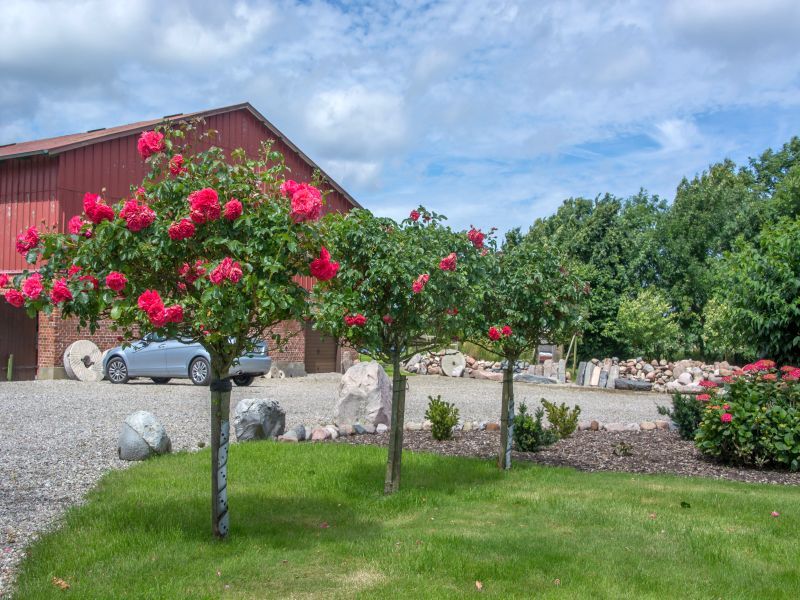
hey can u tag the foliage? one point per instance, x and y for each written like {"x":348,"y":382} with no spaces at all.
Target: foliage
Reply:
{"x":231,"y":278}
{"x":382,"y":264}
{"x":720,"y":335}
{"x":340,"y":543}
{"x":686,"y":413}
{"x":758,"y":421}
{"x":563,"y":420}
{"x":443,"y":417}
{"x":647,"y":325}
{"x":529,"y":433}
{"x":761,"y":286}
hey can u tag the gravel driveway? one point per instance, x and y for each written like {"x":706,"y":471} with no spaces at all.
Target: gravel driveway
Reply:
{"x":59,"y":437}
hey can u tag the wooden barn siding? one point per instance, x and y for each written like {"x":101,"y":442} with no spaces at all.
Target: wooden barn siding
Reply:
{"x":28,"y":188}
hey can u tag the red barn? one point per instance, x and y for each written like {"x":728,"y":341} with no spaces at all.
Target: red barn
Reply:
{"x":45,"y":180}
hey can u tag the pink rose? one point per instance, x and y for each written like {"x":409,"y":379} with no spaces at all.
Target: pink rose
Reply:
{"x":204,"y":205}
{"x":506,"y":331}
{"x":494,"y":334}
{"x":323,"y":268}
{"x":93,"y":280}
{"x":174,"y":313}
{"x":137,"y":216}
{"x":4,"y":280}
{"x":176,"y":165}
{"x":288,"y":188}
{"x":448,"y":263}
{"x":357,"y":320}
{"x":227,"y":269}
{"x":32,"y":286}
{"x":60,"y":291}
{"x":420,"y":283}
{"x":15,"y":298}
{"x":27,"y":241}
{"x":306,"y":204}
{"x":414,"y":216}
{"x":116,"y":281}
{"x":476,"y":236}
{"x":75,"y":226}
{"x":388,"y":319}
{"x":181,"y":230}
{"x":726,"y":417}
{"x":96,"y":209}
{"x":232,"y":209}
{"x":150,"y":142}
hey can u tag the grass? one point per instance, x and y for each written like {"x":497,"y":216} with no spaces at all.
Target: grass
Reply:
{"x":309,"y":520}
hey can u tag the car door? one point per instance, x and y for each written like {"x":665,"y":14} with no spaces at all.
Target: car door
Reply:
{"x":178,"y":354}
{"x":146,"y":358}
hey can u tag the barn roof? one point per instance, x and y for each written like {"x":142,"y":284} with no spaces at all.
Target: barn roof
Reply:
{"x":63,"y":143}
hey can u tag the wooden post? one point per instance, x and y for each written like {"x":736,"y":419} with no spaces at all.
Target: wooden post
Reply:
{"x":394,"y":462}
{"x":507,"y":416}
{"x":10,"y":368}
{"x":220,"y":436}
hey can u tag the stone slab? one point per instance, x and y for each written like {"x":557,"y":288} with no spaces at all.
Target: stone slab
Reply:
{"x":581,"y":373}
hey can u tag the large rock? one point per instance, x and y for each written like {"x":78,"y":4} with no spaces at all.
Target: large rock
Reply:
{"x":528,"y":378}
{"x":453,"y":364}
{"x":633,"y":384}
{"x":141,"y":437}
{"x":481,"y":374}
{"x":258,"y":419}
{"x":364,"y":396}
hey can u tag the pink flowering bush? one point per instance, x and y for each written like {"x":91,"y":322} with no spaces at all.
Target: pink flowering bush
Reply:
{"x":757,"y":419}
{"x":171,"y":257}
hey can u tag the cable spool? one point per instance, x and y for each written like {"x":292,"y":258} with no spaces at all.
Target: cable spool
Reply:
{"x":83,"y":361}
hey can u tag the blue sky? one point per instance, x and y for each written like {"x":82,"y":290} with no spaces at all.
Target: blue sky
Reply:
{"x":489,"y":112}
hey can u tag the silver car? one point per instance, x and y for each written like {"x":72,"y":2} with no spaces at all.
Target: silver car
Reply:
{"x":162,"y":359}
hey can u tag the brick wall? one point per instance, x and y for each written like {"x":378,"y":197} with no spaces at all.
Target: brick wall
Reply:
{"x":294,"y":350}
{"x":56,"y":334}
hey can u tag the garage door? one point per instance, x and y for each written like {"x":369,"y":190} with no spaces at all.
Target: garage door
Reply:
{"x":320,"y":352}
{"x":17,"y":337}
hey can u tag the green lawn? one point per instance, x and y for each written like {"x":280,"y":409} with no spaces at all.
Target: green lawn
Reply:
{"x":309,"y":520}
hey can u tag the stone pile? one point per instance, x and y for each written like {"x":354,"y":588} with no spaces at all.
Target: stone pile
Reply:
{"x":659,"y":376}
{"x":455,"y":364}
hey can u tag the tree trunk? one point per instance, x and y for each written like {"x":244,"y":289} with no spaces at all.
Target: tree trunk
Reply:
{"x":392,"y":482}
{"x":507,"y":416}
{"x":220,"y":435}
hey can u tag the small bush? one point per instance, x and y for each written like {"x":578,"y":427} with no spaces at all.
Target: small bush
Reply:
{"x":529,"y":433}
{"x":757,"y":422}
{"x":443,"y":416}
{"x":687,"y":412}
{"x":563,"y":420}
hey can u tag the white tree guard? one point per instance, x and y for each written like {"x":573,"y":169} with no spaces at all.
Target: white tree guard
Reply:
{"x":83,"y":360}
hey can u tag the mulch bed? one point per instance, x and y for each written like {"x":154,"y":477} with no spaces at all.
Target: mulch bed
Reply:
{"x":650,"y":452}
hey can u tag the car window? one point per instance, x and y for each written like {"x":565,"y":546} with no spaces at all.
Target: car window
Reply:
{"x":155,"y":337}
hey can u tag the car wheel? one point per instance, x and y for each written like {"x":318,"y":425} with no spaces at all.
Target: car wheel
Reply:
{"x":160,"y":380}
{"x":117,"y":371}
{"x":243,"y":380}
{"x":200,"y":372}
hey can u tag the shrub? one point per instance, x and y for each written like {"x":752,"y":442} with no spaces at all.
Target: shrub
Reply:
{"x":648,"y":324}
{"x":529,"y":433}
{"x":443,"y":416}
{"x":757,"y":422}
{"x":563,"y":420}
{"x":686,"y":413}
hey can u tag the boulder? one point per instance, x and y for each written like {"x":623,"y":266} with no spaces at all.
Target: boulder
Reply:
{"x":594,"y":426}
{"x":289,"y":436}
{"x":319,"y":434}
{"x":491,"y":375}
{"x":358,"y":428}
{"x":614,"y":427}
{"x":684,"y":378}
{"x":300,"y":431}
{"x":647,"y":425}
{"x":258,"y":419}
{"x":381,"y":428}
{"x":581,"y":372}
{"x":364,"y":395}
{"x":493,"y":427}
{"x":662,"y":424}
{"x":141,"y":437}
{"x":633,"y":384}
{"x":527,"y":378}
{"x":333,"y":431}
{"x":368,"y":428}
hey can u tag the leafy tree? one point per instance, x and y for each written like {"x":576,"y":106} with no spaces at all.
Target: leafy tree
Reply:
{"x":648,"y":324}
{"x":761,"y":285}
{"x":208,"y":249}
{"x":527,"y":292}
{"x":401,"y":289}
{"x":721,"y":336}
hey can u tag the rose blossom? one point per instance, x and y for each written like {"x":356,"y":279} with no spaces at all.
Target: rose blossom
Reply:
{"x":357,"y":320}
{"x":288,"y":188}
{"x":232,"y":209}
{"x":97,"y":210}
{"x":60,"y":291}
{"x":228,"y":269}
{"x":137,"y":216}
{"x":116,"y":281}
{"x":323,"y":268}
{"x":451,"y":311}
{"x":181,"y":230}
{"x":726,"y":417}
{"x":174,"y":313}
{"x":75,"y":226}
{"x":150,"y":302}
{"x":73,"y":270}
{"x":494,"y":334}
{"x":506,"y":331}
{"x":204,"y":205}
{"x":448,"y":263}
{"x":14,"y":298}
{"x":28,"y":240}
{"x":306,"y":204}
{"x":192,"y":274}
{"x":150,"y":142}
{"x":476,"y":236}
{"x":176,"y":165}
{"x":32,"y":286}
{"x":414,"y":216}
{"x":388,"y":319}
{"x":419,"y":283}
{"x":91,"y":279}
{"x":4,"y":280}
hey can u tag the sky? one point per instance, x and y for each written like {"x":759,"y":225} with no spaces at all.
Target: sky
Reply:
{"x":490,"y":112}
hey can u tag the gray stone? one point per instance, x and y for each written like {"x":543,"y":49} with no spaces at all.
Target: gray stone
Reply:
{"x":587,"y":376}
{"x":289,"y":436}
{"x":364,"y":395}
{"x":300,"y":432}
{"x":414,"y":426}
{"x":632,"y":427}
{"x":468,"y":426}
{"x":381,"y":428}
{"x":359,"y":429}
{"x":453,"y":364}
{"x":320,"y":434}
{"x":333,"y":431}
{"x":258,"y":419}
{"x":369,"y":428}
{"x":142,"y":436}
{"x":614,"y":427}
{"x":648,"y":368}
{"x":561,"y":373}
{"x":528,"y":378}
{"x":346,"y":430}
{"x":633,"y":384}
{"x":613,"y":375}
{"x":584,"y":425}
{"x":603,"y":379}
{"x":595,"y":381}
{"x":426,"y":425}
{"x":684,"y":378}
{"x":414,"y":361}
{"x":581,"y":373}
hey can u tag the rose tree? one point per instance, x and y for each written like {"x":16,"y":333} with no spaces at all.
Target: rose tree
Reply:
{"x":207,"y":249}
{"x":399,"y":291}
{"x":527,"y":293}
